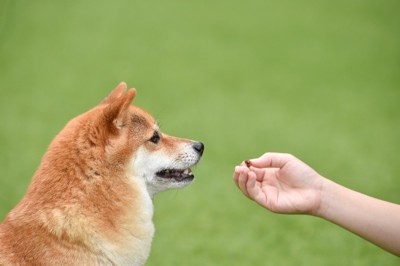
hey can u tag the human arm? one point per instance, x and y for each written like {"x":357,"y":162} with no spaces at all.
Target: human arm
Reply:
{"x":282,"y":183}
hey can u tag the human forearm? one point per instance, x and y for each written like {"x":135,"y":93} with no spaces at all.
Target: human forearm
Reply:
{"x":374,"y":220}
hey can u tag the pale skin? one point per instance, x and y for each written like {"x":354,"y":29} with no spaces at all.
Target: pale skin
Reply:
{"x":282,"y":183}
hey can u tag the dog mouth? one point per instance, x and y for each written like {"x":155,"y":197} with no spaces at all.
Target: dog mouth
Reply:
{"x":176,"y":174}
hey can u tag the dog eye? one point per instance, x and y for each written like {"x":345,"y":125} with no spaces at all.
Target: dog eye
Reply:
{"x":155,"y":138}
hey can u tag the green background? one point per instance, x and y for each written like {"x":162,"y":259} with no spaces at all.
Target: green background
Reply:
{"x":318,"y":79}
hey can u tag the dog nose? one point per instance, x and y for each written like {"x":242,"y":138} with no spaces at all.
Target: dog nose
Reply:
{"x":199,"y":147}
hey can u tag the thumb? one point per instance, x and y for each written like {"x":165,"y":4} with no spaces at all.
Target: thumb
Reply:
{"x":272,"y":160}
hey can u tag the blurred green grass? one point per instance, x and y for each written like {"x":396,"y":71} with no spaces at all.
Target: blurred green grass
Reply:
{"x":318,"y":79}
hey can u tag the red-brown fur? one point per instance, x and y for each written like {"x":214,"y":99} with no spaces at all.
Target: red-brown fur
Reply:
{"x":81,"y":198}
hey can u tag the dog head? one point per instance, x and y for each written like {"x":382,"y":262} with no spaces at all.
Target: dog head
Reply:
{"x":134,"y":140}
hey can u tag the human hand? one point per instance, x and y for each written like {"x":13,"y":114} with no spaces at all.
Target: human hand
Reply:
{"x":280,"y":183}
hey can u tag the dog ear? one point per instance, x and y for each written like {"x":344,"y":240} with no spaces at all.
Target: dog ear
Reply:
{"x":114,"y":115}
{"x":115,"y":94}
{"x":116,"y":112}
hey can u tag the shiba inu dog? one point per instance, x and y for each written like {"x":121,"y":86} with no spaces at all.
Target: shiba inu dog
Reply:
{"x":90,"y":201}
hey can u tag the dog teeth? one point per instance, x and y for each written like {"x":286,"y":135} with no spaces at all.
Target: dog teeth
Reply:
{"x":176,"y":174}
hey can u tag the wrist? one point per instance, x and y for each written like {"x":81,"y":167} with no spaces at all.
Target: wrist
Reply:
{"x":324,"y":197}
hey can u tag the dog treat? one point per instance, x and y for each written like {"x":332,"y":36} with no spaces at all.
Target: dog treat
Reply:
{"x":248,"y":163}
